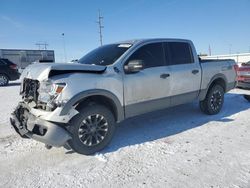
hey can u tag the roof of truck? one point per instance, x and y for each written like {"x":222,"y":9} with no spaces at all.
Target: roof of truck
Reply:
{"x":134,"y":41}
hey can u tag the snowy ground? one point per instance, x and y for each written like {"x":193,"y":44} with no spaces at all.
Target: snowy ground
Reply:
{"x":178,"y":147}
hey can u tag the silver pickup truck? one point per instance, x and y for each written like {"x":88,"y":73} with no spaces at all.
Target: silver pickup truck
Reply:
{"x":78,"y":105}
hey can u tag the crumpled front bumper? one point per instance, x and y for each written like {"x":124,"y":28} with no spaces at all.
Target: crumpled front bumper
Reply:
{"x":29,"y":126}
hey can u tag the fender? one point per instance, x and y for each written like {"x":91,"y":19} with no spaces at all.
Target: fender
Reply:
{"x":82,"y":95}
{"x":203,"y":92}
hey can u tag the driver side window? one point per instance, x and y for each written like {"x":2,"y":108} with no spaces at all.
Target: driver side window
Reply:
{"x":152,"y":55}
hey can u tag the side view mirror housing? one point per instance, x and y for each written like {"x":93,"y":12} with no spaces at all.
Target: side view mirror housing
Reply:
{"x":134,"y":66}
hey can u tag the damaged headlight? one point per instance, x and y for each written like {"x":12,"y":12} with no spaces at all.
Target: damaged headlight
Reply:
{"x":48,"y":91}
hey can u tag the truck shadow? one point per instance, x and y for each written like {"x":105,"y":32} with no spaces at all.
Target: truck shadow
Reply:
{"x":13,"y":84}
{"x":172,"y":121}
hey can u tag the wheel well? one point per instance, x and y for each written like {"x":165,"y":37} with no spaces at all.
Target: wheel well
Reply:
{"x":99,"y":99}
{"x":219,"y":81}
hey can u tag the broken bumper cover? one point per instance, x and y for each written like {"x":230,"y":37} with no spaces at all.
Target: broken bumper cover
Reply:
{"x":29,"y":126}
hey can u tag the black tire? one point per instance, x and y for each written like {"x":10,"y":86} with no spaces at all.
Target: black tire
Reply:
{"x":4,"y":80}
{"x":83,"y":129}
{"x":247,"y":97}
{"x":214,"y":100}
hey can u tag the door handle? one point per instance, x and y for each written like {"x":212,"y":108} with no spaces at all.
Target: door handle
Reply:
{"x":164,"y":76}
{"x":195,"y":71}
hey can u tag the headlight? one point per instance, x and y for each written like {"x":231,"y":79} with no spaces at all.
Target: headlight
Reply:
{"x":48,"y":91}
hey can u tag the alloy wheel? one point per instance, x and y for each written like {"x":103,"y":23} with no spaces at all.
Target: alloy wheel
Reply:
{"x":93,"y":130}
{"x":216,"y":100}
{"x":3,"y":80}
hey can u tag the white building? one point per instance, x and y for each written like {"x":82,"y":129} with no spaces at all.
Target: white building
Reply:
{"x":239,"y":58}
{"x":25,"y":57}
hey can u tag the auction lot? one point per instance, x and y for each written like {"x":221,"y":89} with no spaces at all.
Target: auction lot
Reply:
{"x":177,"y":147}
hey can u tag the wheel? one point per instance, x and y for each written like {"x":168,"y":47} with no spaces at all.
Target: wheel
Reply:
{"x":4,"y":80}
{"x":214,"y":100}
{"x":247,"y":97}
{"x":92,"y":129}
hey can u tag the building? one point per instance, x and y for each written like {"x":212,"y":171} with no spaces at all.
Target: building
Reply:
{"x":239,"y":58}
{"x":25,"y":57}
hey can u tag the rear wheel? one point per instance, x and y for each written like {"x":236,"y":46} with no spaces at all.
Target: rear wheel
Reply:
{"x":4,"y":80}
{"x":247,"y":97}
{"x":92,"y":129}
{"x":214,"y":100}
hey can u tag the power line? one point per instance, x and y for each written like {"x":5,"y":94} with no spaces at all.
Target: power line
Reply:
{"x":42,"y":45}
{"x":99,"y":22}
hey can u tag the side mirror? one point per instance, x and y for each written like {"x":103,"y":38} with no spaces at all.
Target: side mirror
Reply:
{"x":134,"y":66}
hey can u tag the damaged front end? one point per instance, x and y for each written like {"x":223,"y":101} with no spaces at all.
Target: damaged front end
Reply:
{"x":41,"y":95}
{"x":18,"y":120}
{"x":28,"y":125}
{"x":38,"y":115}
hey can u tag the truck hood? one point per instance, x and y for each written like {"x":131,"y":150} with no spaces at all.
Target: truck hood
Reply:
{"x":43,"y":71}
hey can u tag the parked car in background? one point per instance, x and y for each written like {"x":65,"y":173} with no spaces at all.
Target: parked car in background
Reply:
{"x":77,"y":105}
{"x":8,"y":72}
{"x":243,"y":78}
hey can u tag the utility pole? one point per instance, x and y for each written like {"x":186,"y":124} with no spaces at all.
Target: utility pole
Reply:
{"x":64,"y":48}
{"x":99,"y":22}
{"x":42,"y":45}
{"x":209,"y":50}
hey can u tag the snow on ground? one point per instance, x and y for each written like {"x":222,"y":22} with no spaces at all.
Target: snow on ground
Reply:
{"x":177,"y":147}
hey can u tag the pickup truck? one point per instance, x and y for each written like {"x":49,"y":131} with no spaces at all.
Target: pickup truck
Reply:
{"x":243,"y":78}
{"x":79,"y":105}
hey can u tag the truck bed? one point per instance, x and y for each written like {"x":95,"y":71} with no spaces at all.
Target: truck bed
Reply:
{"x":212,"y":67}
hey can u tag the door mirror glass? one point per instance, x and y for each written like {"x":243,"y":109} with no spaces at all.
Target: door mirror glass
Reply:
{"x":134,"y":66}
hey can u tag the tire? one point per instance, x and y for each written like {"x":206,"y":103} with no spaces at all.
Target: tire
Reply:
{"x":214,"y":100}
{"x":88,"y":136}
{"x":4,"y":80}
{"x":247,"y":97}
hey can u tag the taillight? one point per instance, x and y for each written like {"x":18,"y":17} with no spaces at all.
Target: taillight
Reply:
{"x":240,"y":78}
{"x":13,"y":66}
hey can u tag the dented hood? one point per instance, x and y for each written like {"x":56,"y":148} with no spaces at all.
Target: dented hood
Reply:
{"x":42,"y":71}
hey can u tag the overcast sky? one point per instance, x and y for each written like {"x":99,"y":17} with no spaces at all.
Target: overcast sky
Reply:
{"x":222,"y":24}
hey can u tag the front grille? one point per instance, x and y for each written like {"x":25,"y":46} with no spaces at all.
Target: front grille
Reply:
{"x":29,"y":90}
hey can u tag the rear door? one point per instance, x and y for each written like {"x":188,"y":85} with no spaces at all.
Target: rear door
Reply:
{"x":186,"y":73}
{"x":148,"y":89}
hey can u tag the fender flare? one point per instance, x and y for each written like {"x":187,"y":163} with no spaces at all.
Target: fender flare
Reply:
{"x":93,"y":92}
{"x":203,"y":92}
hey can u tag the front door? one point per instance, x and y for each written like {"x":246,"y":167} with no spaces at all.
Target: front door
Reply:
{"x":148,"y":89}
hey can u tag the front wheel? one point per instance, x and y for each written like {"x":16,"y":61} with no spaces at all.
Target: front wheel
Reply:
{"x":92,"y":129}
{"x":247,"y":97}
{"x":214,"y":100}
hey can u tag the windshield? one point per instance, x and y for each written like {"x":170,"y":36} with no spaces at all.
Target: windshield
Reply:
{"x":105,"y":55}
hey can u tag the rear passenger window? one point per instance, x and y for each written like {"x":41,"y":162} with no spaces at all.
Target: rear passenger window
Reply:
{"x":151,"y":54}
{"x":180,"y":53}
